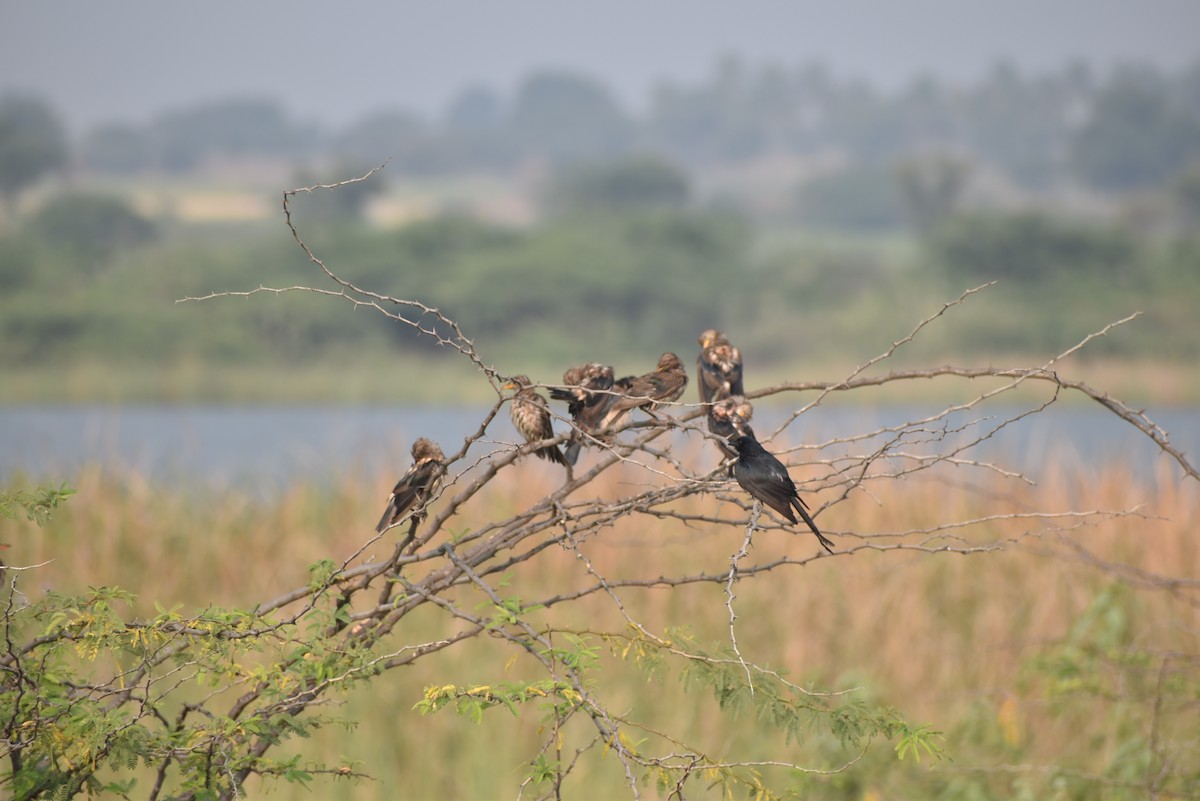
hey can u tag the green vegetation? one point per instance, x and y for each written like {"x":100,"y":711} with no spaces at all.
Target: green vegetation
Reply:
{"x":634,"y":184}
{"x":804,"y":214}
{"x":862,"y":198}
{"x":89,"y":282}
{"x":1082,"y":688}
{"x":1136,"y":137}
{"x":88,"y":230}
{"x":32,"y":143}
{"x":1031,"y":248}
{"x":35,"y":505}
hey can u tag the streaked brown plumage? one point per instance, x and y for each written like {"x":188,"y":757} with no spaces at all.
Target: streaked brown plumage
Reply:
{"x":588,"y":398}
{"x":766,"y":479}
{"x":718,"y":368}
{"x":531,"y":416}
{"x":727,"y":419}
{"x":665,"y":385}
{"x":415,"y":487}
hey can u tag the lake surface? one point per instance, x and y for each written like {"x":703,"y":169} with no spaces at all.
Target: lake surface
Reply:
{"x":265,"y":448}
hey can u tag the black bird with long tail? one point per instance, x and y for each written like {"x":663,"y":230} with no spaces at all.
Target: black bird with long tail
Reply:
{"x":766,"y":479}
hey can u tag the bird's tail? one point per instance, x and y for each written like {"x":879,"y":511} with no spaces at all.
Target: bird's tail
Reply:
{"x":825,"y":541}
{"x":552,"y":453}
{"x":386,"y":520}
{"x":571,"y":456}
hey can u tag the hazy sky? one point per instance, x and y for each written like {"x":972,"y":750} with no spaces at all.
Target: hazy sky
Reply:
{"x":331,"y":61}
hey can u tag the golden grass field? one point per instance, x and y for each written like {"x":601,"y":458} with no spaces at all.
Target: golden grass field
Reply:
{"x":969,"y":643}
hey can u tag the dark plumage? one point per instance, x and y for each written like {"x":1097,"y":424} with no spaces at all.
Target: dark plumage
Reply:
{"x":727,"y":419}
{"x":665,"y":385}
{"x":766,"y":479}
{"x":718,"y":368}
{"x":588,"y":398}
{"x":531,"y":416}
{"x":417,"y":486}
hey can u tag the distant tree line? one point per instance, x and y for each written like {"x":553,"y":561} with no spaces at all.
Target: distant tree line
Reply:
{"x":630,"y":222}
{"x":1131,"y":128}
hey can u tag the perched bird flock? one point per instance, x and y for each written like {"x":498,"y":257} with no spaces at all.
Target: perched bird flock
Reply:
{"x":598,"y":403}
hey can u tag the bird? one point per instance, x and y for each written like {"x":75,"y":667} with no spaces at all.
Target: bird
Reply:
{"x":415,"y":487}
{"x":729,"y":418}
{"x":531,"y":416}
{"x":718,"y":368}
{"x":664,"y":385}
{"x":766,"y":479}
{"x":588,"y":397}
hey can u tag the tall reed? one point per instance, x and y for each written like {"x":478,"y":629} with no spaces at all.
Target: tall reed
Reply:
{"x":958,"y":640}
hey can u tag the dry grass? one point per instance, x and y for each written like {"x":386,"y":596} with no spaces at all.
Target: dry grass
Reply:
{"x":946,"y":638}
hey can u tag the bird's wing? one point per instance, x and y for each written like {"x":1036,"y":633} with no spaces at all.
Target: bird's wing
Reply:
{"x":389,"y":514}
{"x":598,"y":394}
{"x":758,"y":478}
{"x":410,"y":486}
{"x":535,"y":417}
{"x":735,"y":374}
{"x":600,"y":381}
{"x":640,"y":389}
{"x":667,"y":385}
{"x":592,"y":414}
{"x":531,"y":416}
{"x":712,"y":382}
{"x":721,"y":426}
{"x":572,"y":395}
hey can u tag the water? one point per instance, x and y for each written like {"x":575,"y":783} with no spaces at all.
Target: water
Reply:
{"x":265,"y":448}
{"x":260,"y":446}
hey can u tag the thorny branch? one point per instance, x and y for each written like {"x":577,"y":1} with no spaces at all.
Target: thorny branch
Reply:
{"x":732,"y":576}
{"x":376,"y":597}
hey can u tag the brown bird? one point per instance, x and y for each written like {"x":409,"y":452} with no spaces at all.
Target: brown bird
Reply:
{"x":665,"y":385}
{"x":727,"y":419}
{"x":416,"y":487}
{"x":588,"y":398}
{"x":766,"y":479}
{"x":718,"y":368}
{"x":531,"y":416}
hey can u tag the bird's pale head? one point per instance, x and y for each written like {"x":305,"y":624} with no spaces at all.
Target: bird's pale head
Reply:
{"x":724,"y":409}
{"x":710,"y":338}
{"x":573,"y":376}
{"x":597,"y":370}
{"x":726,"y":353}
{"x":426,"y":449}
{"x":669,"y":361}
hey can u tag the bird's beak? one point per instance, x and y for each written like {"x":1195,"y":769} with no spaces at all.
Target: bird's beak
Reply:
{"x":510,"y":385}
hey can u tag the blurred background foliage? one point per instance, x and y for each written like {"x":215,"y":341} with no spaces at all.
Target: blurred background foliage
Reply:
{"x":813,"y":218}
